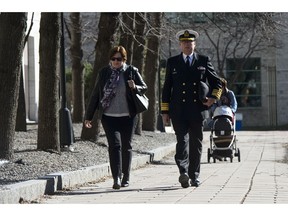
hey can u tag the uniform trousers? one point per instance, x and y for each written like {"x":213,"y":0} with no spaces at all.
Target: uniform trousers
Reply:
{"x":119,"y":132}
{"x":189,"y":135}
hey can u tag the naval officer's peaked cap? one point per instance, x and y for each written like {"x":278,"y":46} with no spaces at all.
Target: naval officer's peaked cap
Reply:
{"x":187,"y":34}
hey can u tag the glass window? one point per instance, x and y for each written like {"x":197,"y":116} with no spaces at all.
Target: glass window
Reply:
{"x":244,"y":79}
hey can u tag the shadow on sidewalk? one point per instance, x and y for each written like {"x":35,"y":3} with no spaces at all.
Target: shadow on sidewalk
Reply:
{"x":163,"y":162}
{"x":105,"y":190}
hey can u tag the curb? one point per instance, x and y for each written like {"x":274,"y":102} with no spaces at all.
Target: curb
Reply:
{"x":49,"y":184}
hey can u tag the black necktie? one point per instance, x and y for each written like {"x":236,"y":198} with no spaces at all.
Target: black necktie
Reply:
{"x":188,"y":61}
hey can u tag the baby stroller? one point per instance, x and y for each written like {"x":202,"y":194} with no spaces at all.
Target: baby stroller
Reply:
{"x":223,"y":136}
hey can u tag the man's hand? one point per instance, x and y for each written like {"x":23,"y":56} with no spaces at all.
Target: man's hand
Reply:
{"x":209,"y":101}
{"x":166,"y":119}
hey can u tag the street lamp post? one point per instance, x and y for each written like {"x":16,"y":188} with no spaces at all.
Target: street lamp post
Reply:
{"x":160,"y":124}
{"x":66,"y":128}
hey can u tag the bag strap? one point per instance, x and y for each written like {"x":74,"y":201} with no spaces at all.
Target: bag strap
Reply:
{"x":131,"y":72}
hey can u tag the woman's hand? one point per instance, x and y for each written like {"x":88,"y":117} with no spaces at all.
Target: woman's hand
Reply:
{"x":87,"y":124}
{"x":131,"y":84}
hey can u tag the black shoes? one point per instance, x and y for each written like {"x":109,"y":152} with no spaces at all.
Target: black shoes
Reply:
{"x":117,"y":184}
{"x":125,"y":181}
{"x":195,"y":183}
{"x":184,"y":180}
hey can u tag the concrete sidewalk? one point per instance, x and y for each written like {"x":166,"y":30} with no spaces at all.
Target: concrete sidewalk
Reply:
{"x":32,"y":190}
{"x":260,"y":178}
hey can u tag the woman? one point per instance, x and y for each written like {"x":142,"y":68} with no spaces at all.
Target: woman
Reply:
{"x":112,"y":98}
{"x":227,"y":97}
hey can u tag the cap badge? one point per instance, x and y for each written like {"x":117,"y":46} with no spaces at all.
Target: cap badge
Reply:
{"x":186,"y":33}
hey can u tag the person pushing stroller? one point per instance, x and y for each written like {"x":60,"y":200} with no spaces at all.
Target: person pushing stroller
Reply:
{"x":227,"y":98}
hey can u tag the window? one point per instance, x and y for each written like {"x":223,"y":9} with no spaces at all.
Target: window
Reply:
{"x":244,"y":79}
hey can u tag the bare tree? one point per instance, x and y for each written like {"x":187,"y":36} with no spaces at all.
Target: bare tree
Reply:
{"x":76,"y":53}
{"x":12,"y":35}
{"x":139,"y":53}
{"x":103,"y":45}
{"x":132,"y":37}
{"x":144,"y":30}
{"x":127,"y":26}
{"x":239,"y":35}
{"x":139,"y":41}
{"x":151,"y":70}
{"x":48,"y":121}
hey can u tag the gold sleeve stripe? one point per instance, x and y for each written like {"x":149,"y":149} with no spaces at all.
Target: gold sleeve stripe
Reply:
{"x":164,"y":106}
{"x":217,"y":93}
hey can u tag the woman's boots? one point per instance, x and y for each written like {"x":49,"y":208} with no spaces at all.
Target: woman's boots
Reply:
{"x":125,"y":181}
{"x":117,"y":169}
{"x":117,"y":183}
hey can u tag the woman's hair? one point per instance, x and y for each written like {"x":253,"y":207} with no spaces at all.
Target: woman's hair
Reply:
{"x":224,"y":84}
{"x":119,"y":49}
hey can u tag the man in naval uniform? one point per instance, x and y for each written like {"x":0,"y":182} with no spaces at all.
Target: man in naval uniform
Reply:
{"x":191,"y":86}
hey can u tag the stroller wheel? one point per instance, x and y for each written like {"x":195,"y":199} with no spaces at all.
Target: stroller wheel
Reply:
{"x":238,"y":155}
{"x":208,"y":155}
{"x":231,"y":159}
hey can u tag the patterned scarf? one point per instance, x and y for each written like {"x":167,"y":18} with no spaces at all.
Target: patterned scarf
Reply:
{"x":110,"y":88}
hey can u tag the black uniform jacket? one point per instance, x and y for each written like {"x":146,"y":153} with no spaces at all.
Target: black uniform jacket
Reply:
{"x":130,"y":72}
{"x":180,"y":95}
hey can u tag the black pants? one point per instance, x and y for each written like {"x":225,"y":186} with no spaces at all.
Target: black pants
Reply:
{"x":189,"y":135}
{"x":119,"y":132}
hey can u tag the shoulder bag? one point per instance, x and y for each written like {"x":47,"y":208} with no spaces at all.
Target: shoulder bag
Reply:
{"x":141,"y":102}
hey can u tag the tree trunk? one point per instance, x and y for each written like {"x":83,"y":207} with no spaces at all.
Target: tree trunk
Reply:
{"x":21,"y":110}
{"x":126,"y":37}
{"x":139,"y":43}
{"x":21,"y":124}
{"x":48,"y":116}
{"x":77,"y":69}
{"x":138,"y":54}
{"x":151,"y":71}
{"x":103,"y":46}
{"x":12,"y":35}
